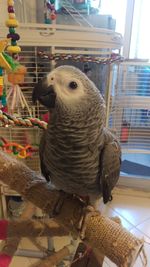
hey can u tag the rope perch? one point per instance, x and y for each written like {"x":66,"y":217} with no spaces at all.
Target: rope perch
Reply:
{"x":10,"y":120}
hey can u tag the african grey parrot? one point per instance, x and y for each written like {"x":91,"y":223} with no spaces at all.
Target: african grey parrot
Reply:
{"x":78,"y":154}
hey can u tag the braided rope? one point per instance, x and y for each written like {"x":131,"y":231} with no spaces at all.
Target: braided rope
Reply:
{"x":11,"y":120}
{"x":81,"y":58}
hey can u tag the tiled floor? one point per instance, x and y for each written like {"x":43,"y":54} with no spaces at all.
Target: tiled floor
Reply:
{"x":134,"y":213}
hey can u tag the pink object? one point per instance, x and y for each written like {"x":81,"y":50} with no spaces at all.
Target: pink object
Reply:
{"x":45,"y":117}
{"x":5,"y":260}
{"x":4,"y":109}
{"x":3,"y":229}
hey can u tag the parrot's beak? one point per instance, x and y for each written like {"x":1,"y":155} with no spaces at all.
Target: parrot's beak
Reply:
{"x":44,"y":94}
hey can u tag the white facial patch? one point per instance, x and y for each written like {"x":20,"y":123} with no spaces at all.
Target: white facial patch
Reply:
{"x":62,"y":80}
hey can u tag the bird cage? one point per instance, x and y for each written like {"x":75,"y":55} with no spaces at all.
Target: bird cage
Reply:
{"x":129,"y":113}
{"x":67,"y":45}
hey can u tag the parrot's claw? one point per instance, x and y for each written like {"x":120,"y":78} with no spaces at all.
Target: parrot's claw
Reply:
{"x":88,"y":212}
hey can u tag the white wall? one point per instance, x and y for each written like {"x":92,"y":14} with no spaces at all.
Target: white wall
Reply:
{"x":25,"y":10}
{"x":3,"y":11}
{"x":31,"y":10}
{"x":40,"y":11}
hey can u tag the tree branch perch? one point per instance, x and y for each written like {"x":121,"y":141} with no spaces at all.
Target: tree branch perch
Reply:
{"x":34,"y":228}
{"x":105,"y":235}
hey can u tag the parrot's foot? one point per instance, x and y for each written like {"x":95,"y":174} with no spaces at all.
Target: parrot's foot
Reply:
{"x":88,"y":212}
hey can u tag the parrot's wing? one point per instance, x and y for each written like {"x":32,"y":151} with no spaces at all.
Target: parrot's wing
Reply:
{"x":44,"y":170}
{"x":110,"y":162}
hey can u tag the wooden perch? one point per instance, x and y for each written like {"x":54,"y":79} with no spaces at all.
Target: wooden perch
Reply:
{"x":34,"y":228}
{"x":105,"y":235}
{"x":55,"y":258}
{"x":12,"y":242}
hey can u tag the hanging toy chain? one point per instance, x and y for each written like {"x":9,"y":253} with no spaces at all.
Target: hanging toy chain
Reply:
{"x":6,"y":62}
{"x":49,"y":11}
{"x":17,"y":149}
{"x":12,"y":23}
{"x":15,"y":95}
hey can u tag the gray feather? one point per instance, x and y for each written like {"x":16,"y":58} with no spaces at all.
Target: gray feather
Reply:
{"x":78,"y":152}
{"x":44,"y":169}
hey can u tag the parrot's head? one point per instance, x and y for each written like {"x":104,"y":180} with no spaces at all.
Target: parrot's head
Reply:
{"x":66,"y":86}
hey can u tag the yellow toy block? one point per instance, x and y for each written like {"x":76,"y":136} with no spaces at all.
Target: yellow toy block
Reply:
{"x":3,"y":44}
{"x":1,"y":81}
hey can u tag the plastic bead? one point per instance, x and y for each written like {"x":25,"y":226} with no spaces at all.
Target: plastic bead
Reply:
{"x":4,"y":100}
{"x":5,"y":109}
{"x":14,"y":36}
{"x":13,"y":42}
{"x":11,"y":30}
{"x":47,"y":21}
{"x":1,"y":90}
{"x":12,"y":16}
{"x":52,"y":7}
{"x":11,"y":9}
{"x":48,"y":5}
{"x":12,"y":23}
{"x":53,"y":16}
{"x":10,"y":2}
{"x":14,"y":49}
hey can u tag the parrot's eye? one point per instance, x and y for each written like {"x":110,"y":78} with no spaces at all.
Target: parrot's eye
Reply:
{"x":73,"y":85}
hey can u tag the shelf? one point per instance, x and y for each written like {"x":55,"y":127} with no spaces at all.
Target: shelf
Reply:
{"x":67,"y":36}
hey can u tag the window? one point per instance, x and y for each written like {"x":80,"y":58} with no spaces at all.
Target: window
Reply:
{"x":117,"y":9}
{"x":140,"y":40}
